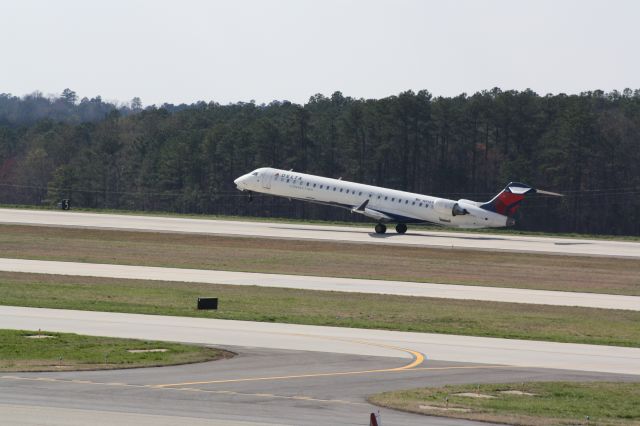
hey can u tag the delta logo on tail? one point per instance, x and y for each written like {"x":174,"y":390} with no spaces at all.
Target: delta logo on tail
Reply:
{"x":508,"y":201}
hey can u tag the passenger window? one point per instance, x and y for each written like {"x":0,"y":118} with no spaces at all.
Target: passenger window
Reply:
{"x":393,"y":199}
{"x":386,"y":198}
{"x":347,"y":191}
{"x":360,"y":193}
{"x":314,"y":185}
{"x":413,"y":204}
{"x":420,"y":204}
{"x":287,"y":180}
{"x":340,"y":189}
{"x":378,"y":197}
{"x":406,"y":201}
{"x":334,"y":188}
{"x":307,"y":183}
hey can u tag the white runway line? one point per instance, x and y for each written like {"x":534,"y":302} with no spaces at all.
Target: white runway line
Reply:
{"x":568,"y":246}
{"x":398,"y":288}
{"x":483,"y":350}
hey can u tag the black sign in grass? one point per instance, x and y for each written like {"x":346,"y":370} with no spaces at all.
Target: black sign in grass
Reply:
{"x":210,"y":303}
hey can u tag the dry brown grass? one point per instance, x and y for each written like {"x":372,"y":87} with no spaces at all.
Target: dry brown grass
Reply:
{"x":441,"y":265}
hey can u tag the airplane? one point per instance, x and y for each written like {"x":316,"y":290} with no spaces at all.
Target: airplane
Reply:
{"x":386,"y":205}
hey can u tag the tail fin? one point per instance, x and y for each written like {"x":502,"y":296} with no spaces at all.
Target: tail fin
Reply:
{"x":508,"y":201}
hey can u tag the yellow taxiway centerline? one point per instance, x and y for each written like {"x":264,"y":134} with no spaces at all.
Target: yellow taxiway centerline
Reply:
{"x":418,"y":358}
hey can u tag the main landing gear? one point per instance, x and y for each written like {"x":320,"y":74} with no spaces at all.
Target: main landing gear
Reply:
{"x":401,"y":228}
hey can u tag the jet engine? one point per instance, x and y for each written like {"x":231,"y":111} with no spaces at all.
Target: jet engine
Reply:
{"x":449,"y":207}
{"x":459,"y":208}
{"x":444,"y":207}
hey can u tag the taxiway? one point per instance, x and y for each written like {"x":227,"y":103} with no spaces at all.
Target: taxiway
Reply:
{"x":481,"y":350}
{"x":257,"y":387}
{"x":398,"y":288}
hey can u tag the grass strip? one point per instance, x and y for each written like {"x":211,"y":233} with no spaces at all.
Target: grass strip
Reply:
{"x":462,"y":317}
{"x":46,"y":351}
{"x":418,"y":264}
{"x":534,"y":404}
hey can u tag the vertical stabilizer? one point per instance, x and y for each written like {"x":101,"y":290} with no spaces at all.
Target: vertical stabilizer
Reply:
{"x":508,"y":201}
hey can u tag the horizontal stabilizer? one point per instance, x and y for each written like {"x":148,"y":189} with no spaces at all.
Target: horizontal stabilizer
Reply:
{"x":555,"y":194}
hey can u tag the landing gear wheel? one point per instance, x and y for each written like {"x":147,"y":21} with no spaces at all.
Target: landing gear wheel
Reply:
{"x":401,"y":228}
{"x":380,"y":228}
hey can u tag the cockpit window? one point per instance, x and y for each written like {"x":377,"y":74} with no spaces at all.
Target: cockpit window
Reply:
{"x":254,"y":174}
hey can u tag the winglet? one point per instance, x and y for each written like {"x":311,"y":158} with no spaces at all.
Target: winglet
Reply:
{"x":362,"y":206}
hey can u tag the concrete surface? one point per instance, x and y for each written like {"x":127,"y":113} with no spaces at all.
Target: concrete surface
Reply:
{"x":331,"y":233}
{"x":482,"y":350}
{"x":399,"y":288}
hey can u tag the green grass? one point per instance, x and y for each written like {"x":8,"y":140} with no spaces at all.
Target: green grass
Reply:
{"x":473,"y":318}
{"x":323,"y":258}
{"x":553,"y":403}
{"x":423,"y":227}
{"x":65,"y":351}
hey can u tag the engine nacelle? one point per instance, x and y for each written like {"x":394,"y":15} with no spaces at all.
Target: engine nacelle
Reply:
{"x":471,"y":209}
{"x":444,"y":207}
{"x":451,"y":208}
{"x":459,"y":208}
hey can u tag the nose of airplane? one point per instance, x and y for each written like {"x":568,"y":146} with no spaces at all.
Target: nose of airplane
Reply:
{"x":240,"y":182}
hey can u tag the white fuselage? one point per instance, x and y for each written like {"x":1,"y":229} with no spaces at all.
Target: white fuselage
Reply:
{"x":394,"y":206}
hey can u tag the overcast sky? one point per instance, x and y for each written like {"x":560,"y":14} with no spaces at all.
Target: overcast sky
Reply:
{"x":241,"y":50}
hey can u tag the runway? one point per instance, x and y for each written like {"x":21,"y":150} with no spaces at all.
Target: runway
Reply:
{"x":553,"y":245}
{"x":400,"y":288}
{"x":481,"y":350}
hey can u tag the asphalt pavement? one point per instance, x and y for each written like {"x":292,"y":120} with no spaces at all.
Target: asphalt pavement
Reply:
{"x":257,"y":387}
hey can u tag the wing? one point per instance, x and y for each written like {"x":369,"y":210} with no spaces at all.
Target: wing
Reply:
{"x":360,"y":209}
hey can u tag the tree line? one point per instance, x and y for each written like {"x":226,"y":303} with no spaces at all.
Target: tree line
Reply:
{"x":184,"y":158}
